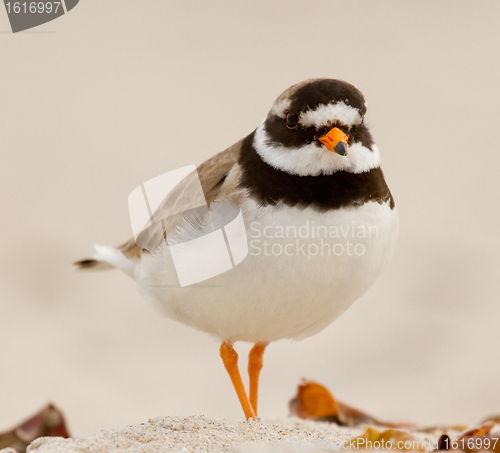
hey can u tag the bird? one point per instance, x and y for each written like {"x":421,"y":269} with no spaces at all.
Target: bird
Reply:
{"x":320,"y":220}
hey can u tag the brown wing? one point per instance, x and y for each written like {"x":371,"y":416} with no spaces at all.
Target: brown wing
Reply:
{"x":211,"y":173}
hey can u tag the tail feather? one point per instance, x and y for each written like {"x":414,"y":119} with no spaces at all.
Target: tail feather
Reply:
{"x":108,"y":258}
{"x":92,"y":265}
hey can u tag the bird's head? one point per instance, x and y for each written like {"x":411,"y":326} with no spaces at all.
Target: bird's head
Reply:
{"x":317,"y":127}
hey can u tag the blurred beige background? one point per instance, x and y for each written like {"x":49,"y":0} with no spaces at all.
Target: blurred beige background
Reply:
{"x":115,"y":93}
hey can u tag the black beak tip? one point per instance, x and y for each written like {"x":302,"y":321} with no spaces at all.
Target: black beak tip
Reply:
{"x":341,"y":148}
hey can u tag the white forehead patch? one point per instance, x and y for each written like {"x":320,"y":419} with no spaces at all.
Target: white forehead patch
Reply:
{"x":325,"y":113}
{"x":313,"y":160}
{"x":280,"y":108}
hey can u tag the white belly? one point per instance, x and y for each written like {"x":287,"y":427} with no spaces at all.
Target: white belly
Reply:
{"x":303,"y":270}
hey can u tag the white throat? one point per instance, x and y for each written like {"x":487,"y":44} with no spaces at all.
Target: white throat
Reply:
{"x":313,"y":160}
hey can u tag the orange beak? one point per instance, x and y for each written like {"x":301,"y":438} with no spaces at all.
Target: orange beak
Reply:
{"x":335,"y":141}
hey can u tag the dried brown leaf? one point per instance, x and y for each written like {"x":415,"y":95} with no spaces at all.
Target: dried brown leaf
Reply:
{"x":481,"y":430}
{"x":394,"y":439}
{"x":49,"y":422}
{"x":314,"y":401}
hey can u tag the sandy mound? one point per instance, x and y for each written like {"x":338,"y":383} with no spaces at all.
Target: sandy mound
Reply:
{"x":199,"y":434}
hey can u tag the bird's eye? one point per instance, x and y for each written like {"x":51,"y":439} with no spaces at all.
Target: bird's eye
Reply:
{"x":292,"y":121}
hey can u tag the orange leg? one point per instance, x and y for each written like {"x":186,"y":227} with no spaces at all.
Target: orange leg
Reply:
{"x":255,"y":363}
{"x":230,"y":359}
